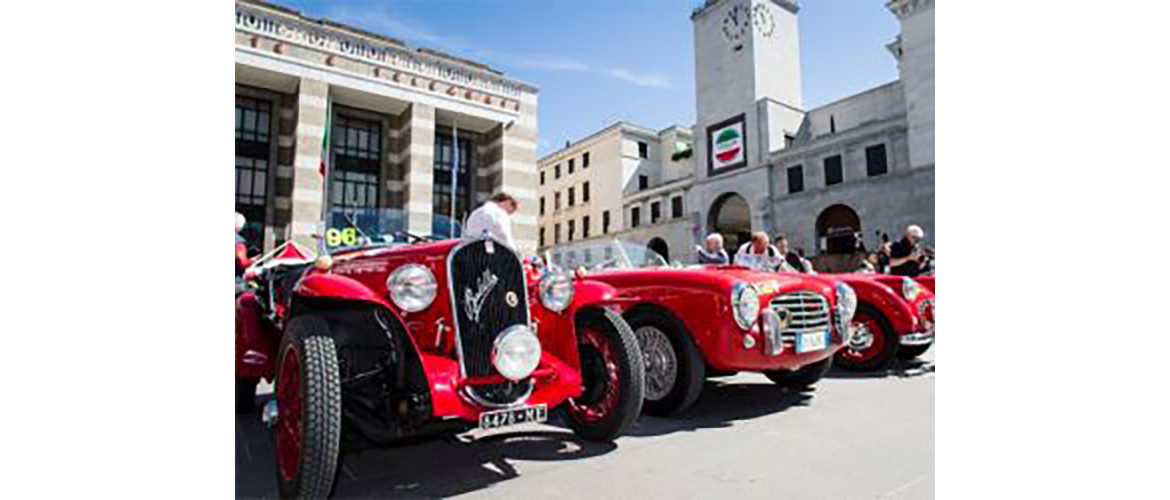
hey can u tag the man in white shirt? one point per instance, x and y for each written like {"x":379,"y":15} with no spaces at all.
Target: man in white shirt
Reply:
{"x":758,"y":254}
{"x":494,"y":217}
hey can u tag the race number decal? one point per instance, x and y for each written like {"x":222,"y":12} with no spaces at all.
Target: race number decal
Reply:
{"x":337,"y":237}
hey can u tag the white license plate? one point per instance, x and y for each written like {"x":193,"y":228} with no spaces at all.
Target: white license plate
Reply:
{"x":813,"y":341}
{"x":515,"y":416}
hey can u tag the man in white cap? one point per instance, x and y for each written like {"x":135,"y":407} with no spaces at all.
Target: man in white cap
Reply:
{"x":494,"y":217}
{"x":906,"y":256}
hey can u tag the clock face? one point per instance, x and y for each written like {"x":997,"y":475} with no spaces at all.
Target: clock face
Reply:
{"x":736,"y":23}
{"x":763,"y":21}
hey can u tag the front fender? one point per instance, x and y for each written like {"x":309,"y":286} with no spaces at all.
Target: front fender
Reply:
{"x":256,"y":340}
{"x":897,"y":311}
{"x":332,"y":286}
{"x":588,"y":292}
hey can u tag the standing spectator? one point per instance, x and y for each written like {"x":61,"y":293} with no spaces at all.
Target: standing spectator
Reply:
{"x":759,"y":254}
{"x":906,"y":256}
{"x":793,"y":260}
{"x":713,"y":252}
{"x":494,"y":217}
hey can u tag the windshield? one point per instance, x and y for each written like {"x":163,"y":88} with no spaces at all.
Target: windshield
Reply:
{"x":348,"y":228}
{"x":605,"y":254}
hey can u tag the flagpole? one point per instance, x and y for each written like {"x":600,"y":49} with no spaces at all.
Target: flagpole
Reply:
{"x":454,"y":174}
{"x":326,"y":172}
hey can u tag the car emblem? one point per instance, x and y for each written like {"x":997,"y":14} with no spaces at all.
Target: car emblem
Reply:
{"x":511,"y":299}
{"x":473,"y":302}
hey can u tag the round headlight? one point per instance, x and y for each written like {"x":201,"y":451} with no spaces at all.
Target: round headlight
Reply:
{"x":412,"y":287}
{"x":910,"y":289}
{"x":556,"y":291}
{"x":516,"y":352}
{"x":745,"y":304}
{"x":846,"y":307}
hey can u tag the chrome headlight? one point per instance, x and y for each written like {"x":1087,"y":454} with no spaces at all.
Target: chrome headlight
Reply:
{"x":910,"y":289}
{"x":846,"y":307}
{"x":556,"y":291}
{"x":412,"y":287}
{"x":516,"y":352}
{"x":745,"y":304}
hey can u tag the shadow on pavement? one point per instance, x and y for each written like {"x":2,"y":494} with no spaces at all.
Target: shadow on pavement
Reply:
{"x":897,"y":368}
{"x":720,"y":404}
{"x":442,"y":467}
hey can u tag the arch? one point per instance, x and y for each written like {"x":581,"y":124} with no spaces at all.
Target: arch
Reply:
{"x":838,"y":229}
{"x":731,"y":216}
{"x":658,"y":245}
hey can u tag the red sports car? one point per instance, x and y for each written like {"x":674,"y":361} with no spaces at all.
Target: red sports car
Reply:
{"x":691,"y":321}
{"x":895,"y":317}
{"x":380,"y":341}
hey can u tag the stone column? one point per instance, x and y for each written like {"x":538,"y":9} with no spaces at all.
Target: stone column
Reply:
{"x":518,"y":172}
{"x":418,"y":161}
{"x":308,"y":185}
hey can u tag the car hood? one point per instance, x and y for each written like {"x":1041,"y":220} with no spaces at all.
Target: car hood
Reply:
{"x":713,"y":277}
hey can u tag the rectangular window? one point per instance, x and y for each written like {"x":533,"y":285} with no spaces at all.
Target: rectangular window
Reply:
{"x":585,"y":191}
{"x":643,"y":182}
{"x":449,"y":170}
{"x":833,"y":174}
{"x":541,"y":205}
{"x":557,"y":233}
{"x":542,"y":177}
{"x":605,"y":222}
{"x":541,"y":237}
{"x":655,"y":212}
{"x":635,"y":216}
{"x":557,"y":201}
{"x":643,"y":150}
{"x":572,"y":199}
{"x":557,"y":171}
{"x":676,"y":209}
{"x":357,"y":163}
{"x":795,"y":179}
{"x":585,"y":227}
{"x":572,"y":228}
{"x":572,"y":163}
{"x":252,"y":156}
{"x":875,"y":160}
{"x":585,"y":160}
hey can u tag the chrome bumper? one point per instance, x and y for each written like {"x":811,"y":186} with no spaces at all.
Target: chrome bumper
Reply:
{"x":917,"y":338}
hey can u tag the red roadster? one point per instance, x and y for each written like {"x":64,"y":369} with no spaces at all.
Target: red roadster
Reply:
{"x":895,"y":318}
{"x":700,"y":320}
{"x":379,"y":340}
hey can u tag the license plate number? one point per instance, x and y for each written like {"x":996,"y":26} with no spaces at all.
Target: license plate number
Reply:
{"x":515,"y":416}
{"x":813,"y":341}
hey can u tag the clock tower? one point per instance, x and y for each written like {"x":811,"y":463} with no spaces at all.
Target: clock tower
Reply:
{"x":747,"y":82}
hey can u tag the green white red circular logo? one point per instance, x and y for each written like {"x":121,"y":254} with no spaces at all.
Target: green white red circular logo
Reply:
{"x":728,"y":145}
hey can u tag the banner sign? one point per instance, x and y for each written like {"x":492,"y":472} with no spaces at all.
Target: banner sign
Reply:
{"x":726,"y":145}
{"x":263,"y":23}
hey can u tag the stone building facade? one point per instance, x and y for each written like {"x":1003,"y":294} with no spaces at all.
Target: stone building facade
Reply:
{"x":859,"y":167}
{"x":396,"y":114}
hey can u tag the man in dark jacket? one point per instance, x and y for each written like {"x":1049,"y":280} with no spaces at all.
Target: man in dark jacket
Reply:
{"x":713,"y":252}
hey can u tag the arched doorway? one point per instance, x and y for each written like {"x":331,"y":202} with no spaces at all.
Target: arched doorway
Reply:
{"x":658,"y":245}
{"x":838,"y":229}
{"x":731,"y":217}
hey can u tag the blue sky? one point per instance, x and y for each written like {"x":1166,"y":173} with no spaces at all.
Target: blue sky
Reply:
{"x":597,"y":62}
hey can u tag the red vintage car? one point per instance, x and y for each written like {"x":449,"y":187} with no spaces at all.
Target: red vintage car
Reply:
{"x":895,"y":318}
{"x":377,"y":340}
{"x":700,"y":320}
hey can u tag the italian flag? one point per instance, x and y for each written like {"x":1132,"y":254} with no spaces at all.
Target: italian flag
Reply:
{"x":324,"y":170}
{"x":728,"y":142}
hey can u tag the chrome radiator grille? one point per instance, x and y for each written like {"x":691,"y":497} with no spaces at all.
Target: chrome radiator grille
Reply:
{"x":807,"y":312}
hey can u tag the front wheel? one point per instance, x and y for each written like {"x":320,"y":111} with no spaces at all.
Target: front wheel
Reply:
{"x":873,"y":343}
{"x":308,"y":397}
{"x":612,"y":375}
{"x":674,"y":366}
{"x":803,"y":377}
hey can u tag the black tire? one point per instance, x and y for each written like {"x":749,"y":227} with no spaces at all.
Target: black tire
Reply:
{"x":691,"y":369}
{"x":245,"y":395}
{"x":888,"y":348}
{"x":631,"y":377}
{"x":804,"y":377}
{"x":908,"y":352}
{"x":320,"y":392}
